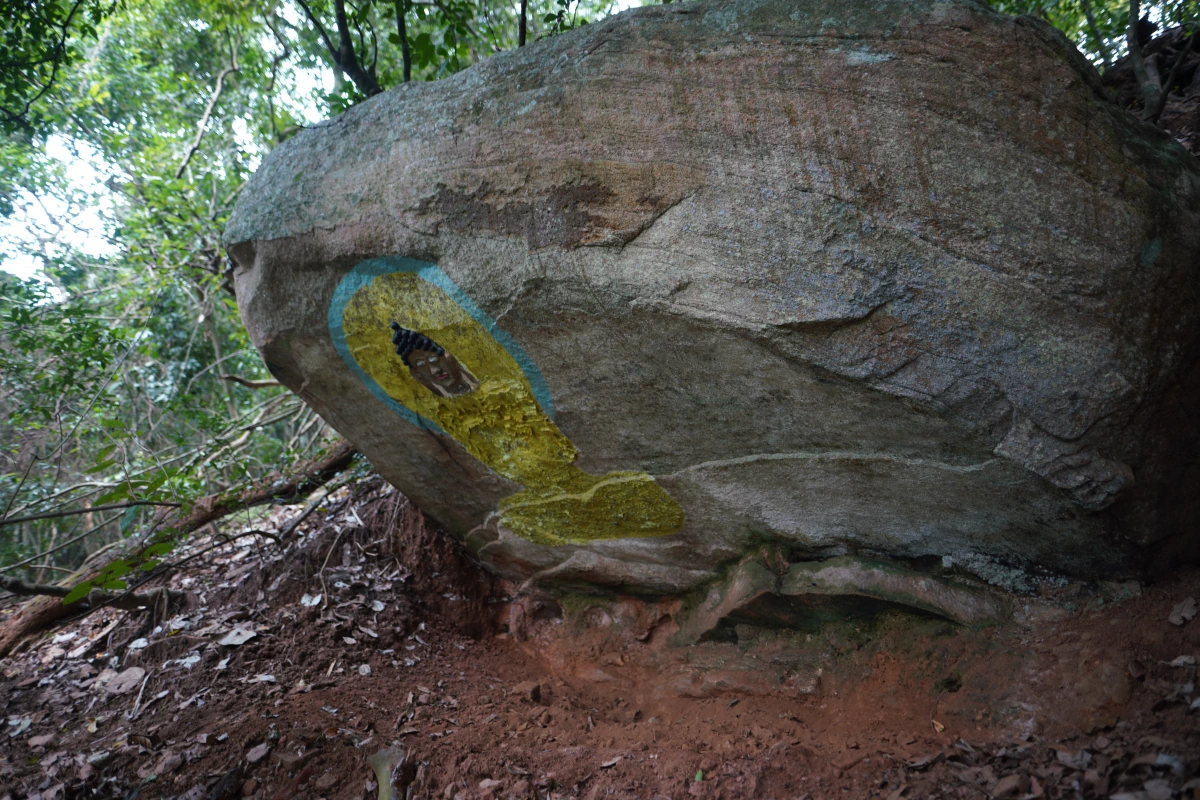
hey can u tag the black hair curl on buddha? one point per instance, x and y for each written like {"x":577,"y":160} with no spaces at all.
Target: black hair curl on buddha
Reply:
{"x":407,"y":341}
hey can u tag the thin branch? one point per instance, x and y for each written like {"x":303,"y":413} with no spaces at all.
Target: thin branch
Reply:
{"x":250,"y":384}
{"x":222,"y":540}
{"x":59,"y":53}
{"x":1094,"y":33}
{"x":76,"y":512}
{"x":374,"y":48}
{"x":450,"y":17}
{"x":320,"y":28}
{"x":229,"y":197}
{"x":188,"y":389}
{"x":344,"y":57}
{"x":87,"y":410}
{"x":50,"y":567}
{"x":302,"y":429}
{"x":21,"y":484}
{"x":270,"y":90}
{"x":62,"y":546}
{"x":1173,"y":75}
{"x":94,"y":487}
{"x":1151,"y":89}
{"x":212,"y":104}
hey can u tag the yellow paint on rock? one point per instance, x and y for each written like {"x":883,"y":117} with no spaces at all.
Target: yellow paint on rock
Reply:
{"x":500,"y":422}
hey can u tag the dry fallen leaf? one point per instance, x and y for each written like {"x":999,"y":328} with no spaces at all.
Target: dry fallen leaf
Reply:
{"x":237,"y":636}
{"x":127,"y":681}
{"x":937,"y":726}
{"x":17,"y":726}
{"x":921,"y":762}
{"x":258,"y":753}
{"x":1183,"y":612}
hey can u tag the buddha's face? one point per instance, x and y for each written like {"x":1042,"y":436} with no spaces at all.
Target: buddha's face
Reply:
{"x":440,"y":373}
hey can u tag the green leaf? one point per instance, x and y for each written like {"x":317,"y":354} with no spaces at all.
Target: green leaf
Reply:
{"x":157,"y":549}
{"x":78,"y":593}
{"x":127,"y":519}
{"x":114,"y":586}
{"x":116,"y":569}
{"x":158,"y":480}
{"x":117,"y":493}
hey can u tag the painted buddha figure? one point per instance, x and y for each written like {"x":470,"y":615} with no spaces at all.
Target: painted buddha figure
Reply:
{"x":433,"y":367}
{"x":416,"y":338}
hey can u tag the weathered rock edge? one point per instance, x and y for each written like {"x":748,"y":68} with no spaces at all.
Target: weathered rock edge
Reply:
{"x":809,"y":594}
{"x":890,"y":278}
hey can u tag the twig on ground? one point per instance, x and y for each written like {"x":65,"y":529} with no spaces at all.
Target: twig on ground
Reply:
{"x":321,"y":574}
{"x":311,"y":507}
{"x":136,"y":703}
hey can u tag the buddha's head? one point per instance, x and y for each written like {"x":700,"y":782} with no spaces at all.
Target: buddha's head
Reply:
{"x":431,"y":365}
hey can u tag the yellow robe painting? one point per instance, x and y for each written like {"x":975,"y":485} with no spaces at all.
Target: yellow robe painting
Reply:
{"x":499,"y":421}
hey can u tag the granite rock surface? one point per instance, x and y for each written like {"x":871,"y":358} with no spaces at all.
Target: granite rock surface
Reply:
{"x":890,"y":279}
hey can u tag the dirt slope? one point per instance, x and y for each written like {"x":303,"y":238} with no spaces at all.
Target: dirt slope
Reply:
{"x":372,"y":632}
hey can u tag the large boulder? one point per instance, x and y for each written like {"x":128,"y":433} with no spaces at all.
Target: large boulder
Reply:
{"x":868,"y":279}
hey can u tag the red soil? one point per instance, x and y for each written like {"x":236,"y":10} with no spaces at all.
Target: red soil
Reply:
{"x":491,"y":698}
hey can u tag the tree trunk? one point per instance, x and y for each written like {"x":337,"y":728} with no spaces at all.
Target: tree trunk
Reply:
{"x":402,"y":31}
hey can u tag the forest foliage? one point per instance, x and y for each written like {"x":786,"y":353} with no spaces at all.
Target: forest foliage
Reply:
{"x":127,"y":129}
